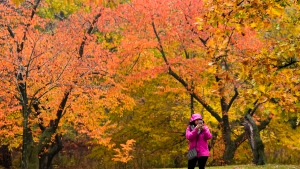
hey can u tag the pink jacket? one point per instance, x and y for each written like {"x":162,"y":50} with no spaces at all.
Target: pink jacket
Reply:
{"x":203,"y":137}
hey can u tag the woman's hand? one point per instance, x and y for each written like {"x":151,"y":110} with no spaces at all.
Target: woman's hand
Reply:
{"x":200,"y":126}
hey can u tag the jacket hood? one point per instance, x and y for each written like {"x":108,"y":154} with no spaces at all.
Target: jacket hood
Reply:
{"x":195,"y":117}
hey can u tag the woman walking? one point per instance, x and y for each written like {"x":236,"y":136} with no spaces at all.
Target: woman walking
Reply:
{"x":198,"y":134}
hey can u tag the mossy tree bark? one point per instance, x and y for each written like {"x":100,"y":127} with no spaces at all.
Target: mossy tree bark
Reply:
{"x":255,"y":141}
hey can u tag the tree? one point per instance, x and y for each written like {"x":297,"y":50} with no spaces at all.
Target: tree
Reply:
{"x":57,"y":76}
{"x":216,"y":47}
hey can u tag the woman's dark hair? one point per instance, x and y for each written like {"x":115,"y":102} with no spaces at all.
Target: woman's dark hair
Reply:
{"x":192,"y":123}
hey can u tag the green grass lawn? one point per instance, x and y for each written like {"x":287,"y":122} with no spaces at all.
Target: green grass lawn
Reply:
{"x":268,"y":166}
{"x":256,"y":167}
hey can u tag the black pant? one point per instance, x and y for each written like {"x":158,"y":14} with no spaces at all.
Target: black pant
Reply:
{"x":201,"y":162}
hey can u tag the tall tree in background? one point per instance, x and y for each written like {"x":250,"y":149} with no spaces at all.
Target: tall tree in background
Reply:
{"x":58,"y":76}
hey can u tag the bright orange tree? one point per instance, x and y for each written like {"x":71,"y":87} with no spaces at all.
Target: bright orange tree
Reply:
{"x":216,"y":46}
{"x":55,"y":75}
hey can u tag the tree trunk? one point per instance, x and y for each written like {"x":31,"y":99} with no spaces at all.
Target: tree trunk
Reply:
{"x":29,"y":150}
{"x":32,"y":158}
{"x":45,"y":143}
{"x":229,"y":153}
{"x":27,"y":138}
{"x":230,"y":146}
{"x":256,"y":144}
{"x":39,"y":155}
{"x":47,"y":157}
{"x":37,"y":158}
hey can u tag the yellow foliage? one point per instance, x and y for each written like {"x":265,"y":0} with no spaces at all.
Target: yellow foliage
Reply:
{"x":275,"y":11}
{"x":18,"y":2}
{"x":262,"y":88}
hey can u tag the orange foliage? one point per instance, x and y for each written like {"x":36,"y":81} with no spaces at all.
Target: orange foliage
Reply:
{"x":51,"y":56}
{"x":123,"y":155}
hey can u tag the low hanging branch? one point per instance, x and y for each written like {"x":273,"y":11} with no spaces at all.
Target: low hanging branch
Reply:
{"x":289,"y":62}
{"x":182,"y":81}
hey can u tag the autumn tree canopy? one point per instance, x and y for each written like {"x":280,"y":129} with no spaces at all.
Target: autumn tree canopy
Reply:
{"x":79,"y":66}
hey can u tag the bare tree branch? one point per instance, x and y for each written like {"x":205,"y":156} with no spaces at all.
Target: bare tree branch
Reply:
{"x":236,"y":93}
{"x":81,"y":49}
